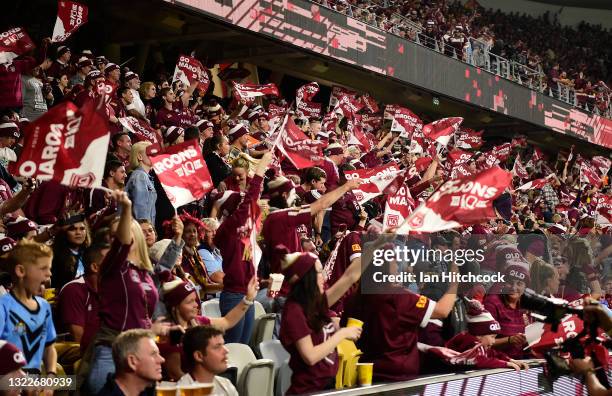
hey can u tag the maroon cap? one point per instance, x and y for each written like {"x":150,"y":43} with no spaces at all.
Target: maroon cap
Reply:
{"x":93,"y":75}
{"x":172,"y":133}
{"x":334,"y":149}
{"x":61,"y":50}
{"x":204,"y":125}
{"x":84,"y":62}
{"x":479,"y":321}
{"x":11,"y":358}
{"x":176,"y":291}
{"x":6,"y":245}
{"x":9,"y":129}
{"x":17,"y":227}
{"x":237,"y":132}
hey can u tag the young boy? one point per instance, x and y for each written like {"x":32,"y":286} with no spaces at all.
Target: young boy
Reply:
{"x":25,"y":318}
{"x":476,"y":343}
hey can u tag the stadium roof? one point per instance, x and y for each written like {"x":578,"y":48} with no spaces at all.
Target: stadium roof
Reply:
{"x":597,"y":4}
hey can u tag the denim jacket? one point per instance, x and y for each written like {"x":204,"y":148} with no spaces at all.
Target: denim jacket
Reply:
{"x":141,"y":190}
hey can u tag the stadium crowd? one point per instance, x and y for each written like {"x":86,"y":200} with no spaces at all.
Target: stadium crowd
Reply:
{"x":124,"y":275}
{"x":569,"y":63}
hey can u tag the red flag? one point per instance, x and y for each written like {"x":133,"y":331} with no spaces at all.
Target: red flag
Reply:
{"x":460,"y":171}
{"x":189,"y":70}
{"x":14,"y":42}
{"x":66,"y":144}
{"x":442,"y":130}
{"x":70,"y":16}
{"x":519,"y":141}
{"x":468,"y":139}
{"x":604,"y":207}
{"x":371,"y":123}
{"x":348,"y":106}
{"x":519,"y":169}
{"x":182,"y":173}
{"x":502,"y":152}
{"x":383,"y":179}
{"x":275,"y":110}
{"x":417,"y":142}
{"x":306,"y":92}
{"x":370,"y":104}
{"x":249,"y":92}
{"x":535,"y":184}
{"x":337,"y":93}
{"x":462,"y":201}
{"x":357,"y":135}
{"x":398,"y":207}
{"x":541,"y":338}
{"x":297,"y":147}
{"x":406,"y":122}
{"x":602,"y":164}
{"x":309,"y":109}
{"x":588,"y":174}
{"x":422,"y":163}
{"x":457,"y":157}
{"x":141,"y":130}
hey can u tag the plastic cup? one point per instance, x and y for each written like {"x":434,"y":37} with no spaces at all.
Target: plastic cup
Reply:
{"x":165,"y":390}
{"x":197,"y":389}
{"x":276,"y":285}
{"x":352,"y":322}
{"x":365,"y":371}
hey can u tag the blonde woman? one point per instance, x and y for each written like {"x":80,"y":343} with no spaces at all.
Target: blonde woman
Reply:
{"x":544,"y":278}
{"x":140,"y":187}
{"x":127,"y":293}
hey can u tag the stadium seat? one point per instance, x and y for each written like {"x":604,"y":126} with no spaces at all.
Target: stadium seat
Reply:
{"x":263,"y":329}
{"x":211,"y":308}
{"x":259,"y":310}
{"x":255,"y":376}
{"x":273,"y":350}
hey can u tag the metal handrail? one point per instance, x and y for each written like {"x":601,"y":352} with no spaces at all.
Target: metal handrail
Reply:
{"x":482,"y":58}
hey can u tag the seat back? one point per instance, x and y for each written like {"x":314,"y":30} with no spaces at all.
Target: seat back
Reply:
{"x":259,"y":309}
{"x":211,"y":308}
{"x":239,"y":356}
{"x":257,"y":379}
{"x":274,"y":350}
{"x":263,"y":329}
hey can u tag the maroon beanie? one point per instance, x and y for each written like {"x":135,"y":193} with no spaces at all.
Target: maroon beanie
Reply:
{"x":518,"y":270}
{"x":6,"y":245}
{"x":204,"y":125}
{"x":176,"y":291}
{"x":172,"y":133}
{"x":9,"y":129}
{"x":110,"y":67}
{"x":18,"y":227}
{"x":479,"y":321}
{"x":11,"y":358}
{"x":536,"y":248}
{"x":295,"y":265}
{"x":280,"y":185}
{"x":237,"y":132}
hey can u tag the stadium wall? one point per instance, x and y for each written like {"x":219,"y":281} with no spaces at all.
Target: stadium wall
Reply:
{"x":324,"y":32}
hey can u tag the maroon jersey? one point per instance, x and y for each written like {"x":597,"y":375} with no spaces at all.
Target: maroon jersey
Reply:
{"x":345,"y":211}
{"x":229,"y":239}
{"x":511,"y":320}
{"x":347,"y":249}
{"x":306,"y":378}
{"x":127,"y":293}
{"x":389,"y":338}
{"x":179,"y":116}
{"x":281,"y":228}
{"x":331,"y":171}
{"x":483,"y":357}
{"x":78,"y":304}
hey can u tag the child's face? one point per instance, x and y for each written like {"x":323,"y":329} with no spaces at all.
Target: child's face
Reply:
{"x":36,"y":274}
{"x":487,"y":340}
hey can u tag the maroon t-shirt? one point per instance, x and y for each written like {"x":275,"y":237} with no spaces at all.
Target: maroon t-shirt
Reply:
{"x":390,"y":330}
{"x":331,"y":171}
{"x":344,"y":211}
{"x":349,"y":249}
{"x":229,"y":239}
{"x":179,"y":116}
{"x":78,"y":304}
{"x":127,"y":293}
{"x":294,"y":327}
{"x":511,"y":320}
{"x":281,"y":227}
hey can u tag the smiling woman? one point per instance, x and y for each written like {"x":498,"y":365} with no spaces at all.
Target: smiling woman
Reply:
{"x":70,"y":243}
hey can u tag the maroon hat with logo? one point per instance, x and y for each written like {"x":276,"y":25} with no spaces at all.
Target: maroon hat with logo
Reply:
{"x":18,"y":227}
{"x":295,"y":265}
{"x":110,"y":67}
{"x":172,"y":133}
{"x":11,"y":358}
{"x":176,"y":291}
{"x":6,"y":245}
{"x":518,"y":270}
{"x":84,"y":62}
{"x":480,"y":321}
{"x":237,"y":132}
{"x":130,"y":75}
{"x":9,"y":129}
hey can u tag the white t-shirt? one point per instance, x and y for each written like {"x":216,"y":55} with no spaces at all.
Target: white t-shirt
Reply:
{"x":222,"y":386}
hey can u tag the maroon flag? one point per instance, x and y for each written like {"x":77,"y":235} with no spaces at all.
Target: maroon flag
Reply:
{"x":537,"y":156}
{"x":535,"y":184}
{"x":405,"y":122}
{"x":390,"y":109}
{"x":604,"y":207}
{"x":398,"y":207}
{"x":309,"y":109}
{"x":417,"y":142}
{"x":14,"y":42}
{"x":519,"y":141}
{"x":306,"y":92}
{"x":70,"y":16}
{"x":357,"y":135}
{"x":462,"y":201}
{"x":460,"y":171}
{"x":468,"y":139}
{"x":249,"y":92}
{"x":442,"y":130}
{"x":588,"y":174}
{"x":348,"y":106}
{"x":519,"y":169}
{"x":370,"y":104}
{"x":371,"y":123}
{"x":602,"y":164}
{"x":329,"y":122}
{"x":182,"y":173}
{"x":189,"y":70}
{"x":384,"y":179}
{"x":275,"y":110}
{"x":66,"y":144}
{"x":421,"y":164}
{"x":457,"y":157}
{"x":297,"y":147}
{"x":502,"y":152}
{"x":141,"y":130}
{"x":337,"y":93}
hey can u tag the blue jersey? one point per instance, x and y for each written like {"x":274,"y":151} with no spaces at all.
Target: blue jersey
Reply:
{"x":30,"y":331}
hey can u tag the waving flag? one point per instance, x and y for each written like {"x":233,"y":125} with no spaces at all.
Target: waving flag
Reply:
{"x":588,"y":174}
{"x":405,"y":122}
{"x":457,"y":157}
{"x":442,"y":130}
{"x":141,"y":130}
{"x":189,"y":70}
{"x":70,"y":16}
{"x":468,"y":139}
{"x":602,"y":164}
{"x":518,"y":169}
{"x":348,"y":106}
{"x":297,"y":147}
{"x":66,"y":144}
{"x":249,"y":92}
{"x":306,"y":92}
{"x":535,"y":184}
{"x":462,"y":201}
{"x":398,"y":207}
{"x":383,"y":179}
{"x":182,"y":173}
{"x":14,"y":42}
{"x":339,"y":92}
{"x":370,"y":104}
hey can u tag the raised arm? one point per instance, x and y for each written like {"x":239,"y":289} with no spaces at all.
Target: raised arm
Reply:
{"x":328,"y":199}
{"x":124,"y":231}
